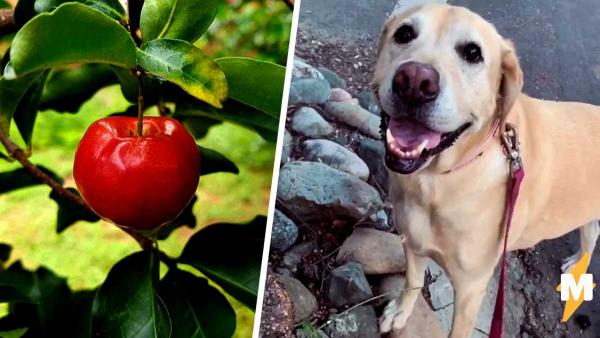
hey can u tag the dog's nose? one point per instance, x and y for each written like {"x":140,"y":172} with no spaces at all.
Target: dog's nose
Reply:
{"x":416,"y":83}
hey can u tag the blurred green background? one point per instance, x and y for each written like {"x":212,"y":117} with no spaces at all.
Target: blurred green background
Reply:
{"x":85,"y":252}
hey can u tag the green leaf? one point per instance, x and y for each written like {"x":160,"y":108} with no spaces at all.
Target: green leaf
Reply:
{"x":198,"y":125}
{"x":16,"y":333}
{"x":111,"y":8}
{"x":11,"y":92}
{"x":127,"y":304}
{"x":177,"y":19}
{"x":27,"y":9}
{"x":236,"y":271}
{"x":185,"y":218}
{"x":187,"y":66}
{"x":197,"y":309}
{"x":27,"y":109}
{"x":4,"y":4}
{"x":5,"y":250}
{"x":258,"y":84}
{"x":16,"y":285}
{"x":68,"y":88}
{"x":43,"y":313}
{"x":212,"y":161}
{"x":73,"y":33}
{"x":21,"y":178}
{"x":233,"y":111}
{"x":68,"y":213}
{"x":80,"y":314}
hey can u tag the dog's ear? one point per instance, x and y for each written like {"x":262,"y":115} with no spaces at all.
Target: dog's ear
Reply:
{"x":511,"y":82}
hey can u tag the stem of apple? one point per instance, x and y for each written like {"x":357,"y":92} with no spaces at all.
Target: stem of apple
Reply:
{"x":139,"y":74}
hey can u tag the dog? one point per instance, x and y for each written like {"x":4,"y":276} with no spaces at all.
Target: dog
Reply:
{"x":444,"y":79}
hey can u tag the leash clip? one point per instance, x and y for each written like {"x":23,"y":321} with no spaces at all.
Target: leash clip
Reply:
{"x":510,"y":141}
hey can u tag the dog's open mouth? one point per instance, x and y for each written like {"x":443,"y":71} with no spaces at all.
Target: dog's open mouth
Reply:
{"x":409,"y":143}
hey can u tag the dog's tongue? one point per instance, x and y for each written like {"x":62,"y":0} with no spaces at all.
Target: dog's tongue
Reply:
{"x":410,"y":134}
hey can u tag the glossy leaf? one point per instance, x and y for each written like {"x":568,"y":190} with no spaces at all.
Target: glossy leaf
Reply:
{"x":256,"y":83}
{"x":186,"y":218}
{"x":27,"y":109}
{"x":68,"y":213}
{"x":187,"y":66}
{"x":27,"y":9}
{"x":73,"y":33}
{"x":212,"y":161}
{"x":11,"y":92}
{"x":197,"y":309}
{"x":127,"y":304}
{"x":177,"y":19}
{"x":111,"y":8}
{"x":21,"y":178}
{"x":233,"y":111}
{"x":236,"y":271}
{"x":68,"y":88}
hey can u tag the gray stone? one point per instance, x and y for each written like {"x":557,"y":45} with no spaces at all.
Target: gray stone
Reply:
{"x":303,"y":301}
{"x":360,"y":322}
{"x":335,"y":156}
{"x":378,"y":252}
{"x":315,"y":191}
{"x":368,"y":101}
{"x":348,"y":285}
{"x":334,"y":80}
{"x":302,"y":70}
{"x":309,"y":91}
{"x":382,"y":221}
{"x":286,"y":149}
{"x":308,"y":122}
{"x":339,"y":95}
{"x":373,"y":153}
{"x":310,"y":332}
{"x":284,"y":232}
{"x":355,"y":116}
{"x":292,"y":258}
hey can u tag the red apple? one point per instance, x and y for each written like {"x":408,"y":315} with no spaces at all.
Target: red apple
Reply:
{"x":137,"y":182}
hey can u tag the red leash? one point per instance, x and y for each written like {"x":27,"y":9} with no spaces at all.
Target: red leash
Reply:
{"x":510,"y":143}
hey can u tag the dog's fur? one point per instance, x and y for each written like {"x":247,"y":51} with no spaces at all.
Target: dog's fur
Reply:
{"x":457,"y":218}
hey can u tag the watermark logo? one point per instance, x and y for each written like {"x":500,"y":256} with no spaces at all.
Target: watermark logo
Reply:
{"x":576,"y":286}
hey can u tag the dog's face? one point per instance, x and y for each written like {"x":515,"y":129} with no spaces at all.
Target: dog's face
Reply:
{"x":441,"y":74}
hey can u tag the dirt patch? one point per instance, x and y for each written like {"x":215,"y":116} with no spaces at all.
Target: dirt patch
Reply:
{"x":353,"y":62}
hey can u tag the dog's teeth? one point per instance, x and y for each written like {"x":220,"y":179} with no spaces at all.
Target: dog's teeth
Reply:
{"x":390,"y":137}
{"x":421,"y":147}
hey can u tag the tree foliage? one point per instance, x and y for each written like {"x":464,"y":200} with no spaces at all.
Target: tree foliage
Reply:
{"x":63,"y":53}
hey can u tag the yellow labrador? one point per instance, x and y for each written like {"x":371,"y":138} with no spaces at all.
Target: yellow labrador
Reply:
{"x":443,"y":76}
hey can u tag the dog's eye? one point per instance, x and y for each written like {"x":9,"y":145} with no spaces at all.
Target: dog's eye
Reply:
{"x":405,"y":34}
{"x":471,"y":52}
